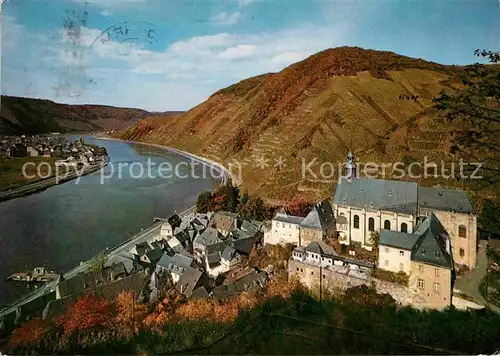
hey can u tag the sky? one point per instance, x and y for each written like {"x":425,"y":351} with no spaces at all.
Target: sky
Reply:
{"x":163,"y":55}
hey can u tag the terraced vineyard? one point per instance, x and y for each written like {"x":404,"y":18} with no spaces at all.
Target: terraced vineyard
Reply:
{"x":311,"y":114}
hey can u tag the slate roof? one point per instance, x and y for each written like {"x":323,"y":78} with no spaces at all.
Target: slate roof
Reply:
{"x":397,"y":239}
{"x":240,"y":285}
{"x":320,"y":217}
{"x":141,"y":248}
{"x":187,"y":281}
{"x":378,"y":194}
{"x":178,"y":260}
{"x":282,"y":216}
{"x":223,"y":220}
{"x":214,"y":252}
{"x":430,"y":248}
{"x":154,"y":255}
{"x":244,"y":244}
{"x":200,"y":293}
{"x":320,"y":248}
{"x":444,"y":199}
{"x":228,"y":253}
{"x":209,"y":237}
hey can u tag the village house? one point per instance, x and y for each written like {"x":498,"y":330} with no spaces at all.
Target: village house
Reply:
{"x":16,"y":150}
{"x":425,"y":256}
{"x":317,"y":265}
{"x":224,"y":222}
{"x":364,"y":206}
{"x":318,"y":225}
{"x":32,"y":152}
{"x":175,"y":265}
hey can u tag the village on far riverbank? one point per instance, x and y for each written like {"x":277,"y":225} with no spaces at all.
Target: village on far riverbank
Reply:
{"x":36,"y":162}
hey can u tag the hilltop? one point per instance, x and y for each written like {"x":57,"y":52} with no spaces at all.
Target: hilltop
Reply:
{"x":376,"y":103}
{"x":29,"y":116}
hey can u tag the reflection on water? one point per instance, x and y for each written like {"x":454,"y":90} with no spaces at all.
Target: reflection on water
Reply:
{"x":71,"y":222}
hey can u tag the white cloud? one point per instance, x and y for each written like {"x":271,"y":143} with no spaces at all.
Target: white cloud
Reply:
{"x":243,"y":3}
{"x":239,"y":51}
{"x":106,"y":13}
{"x":178,"y":77}
{"x":290,"y":57}
{"x":224,"y":18}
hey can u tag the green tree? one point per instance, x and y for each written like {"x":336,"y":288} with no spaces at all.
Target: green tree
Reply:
{"x":375,"y":239}
{"x":255,"y":209}
{"x":489,"y":220}
{"x":97,"y":263}
{"x":477,"y":108}
{"x":204,"y":202}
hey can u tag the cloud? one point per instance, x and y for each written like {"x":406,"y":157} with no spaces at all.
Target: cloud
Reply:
{"x":85,"y":67}
{"x":290,"y":57}
{"x":243,"y":3}
{"x":227,"y":19}
{"x":239,"y":51}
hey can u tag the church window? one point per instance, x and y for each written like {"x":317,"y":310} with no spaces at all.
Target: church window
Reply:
{"x":356,"y":222}
{"x":387,"y":225}
{"x":404,"y":227}
{"x":371,"y":224}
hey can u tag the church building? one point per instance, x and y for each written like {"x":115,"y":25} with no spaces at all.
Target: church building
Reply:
{"x":363,"y":206}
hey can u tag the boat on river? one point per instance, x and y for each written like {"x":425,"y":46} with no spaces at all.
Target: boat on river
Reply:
{"x":39,"y":274}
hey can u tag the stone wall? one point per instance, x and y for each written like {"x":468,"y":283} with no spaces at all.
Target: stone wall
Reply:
{"x":341,"y":279}
{"x":434,"y":285}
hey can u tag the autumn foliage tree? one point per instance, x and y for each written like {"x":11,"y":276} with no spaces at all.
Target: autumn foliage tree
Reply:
{"x":299,"y":207}
{"x":89,"y":313}
{"x":130,"y":314}
{"x":27,"y":336}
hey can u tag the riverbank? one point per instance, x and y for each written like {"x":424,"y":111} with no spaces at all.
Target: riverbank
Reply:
{"x":44,"y":184}
{"x":226,"y":175}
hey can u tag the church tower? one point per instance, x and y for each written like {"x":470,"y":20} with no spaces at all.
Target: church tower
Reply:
{"x":350,"y":167}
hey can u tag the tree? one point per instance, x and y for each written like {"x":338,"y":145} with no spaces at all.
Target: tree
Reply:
{"x":97,"y":263}
{"x":476,"y":111}
{"x":375,"y":239}
{"x":204,"y":202}
{"x":28,"y":335}
{"x":87,"y":314}
{"x":255,"y":209}
{"x":489,"y":220}
{"x":299,"y":207}
{"x":130,"y":314}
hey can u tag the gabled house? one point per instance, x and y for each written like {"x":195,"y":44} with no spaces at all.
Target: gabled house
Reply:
{"x":32,"y":152}
{"x":285,"y":229}
{"x":188,"y":281}
{"x":209,"y":237}
{"x":166,"y":230}
{"x":318,"y":225}
{"x":151,"y":257}
{"x":176,"y":266}
{"x":224,"y":222}
{"x":16,"y":150}
{"x":140,"y":249}
{"x":424,"y":255}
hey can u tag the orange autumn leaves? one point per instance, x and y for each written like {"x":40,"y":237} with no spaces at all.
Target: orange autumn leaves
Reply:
{"x":94,"y":317}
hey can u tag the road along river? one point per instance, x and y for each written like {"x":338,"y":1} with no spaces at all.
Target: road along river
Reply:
{"x":72,"y":222}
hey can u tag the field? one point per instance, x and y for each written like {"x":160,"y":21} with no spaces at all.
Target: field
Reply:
{"x":11,"y":170}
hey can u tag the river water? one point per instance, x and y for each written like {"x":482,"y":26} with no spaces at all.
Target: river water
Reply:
{"x":72,"y":222}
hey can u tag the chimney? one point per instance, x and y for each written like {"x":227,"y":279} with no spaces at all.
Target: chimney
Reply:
{"x":447,"y":241}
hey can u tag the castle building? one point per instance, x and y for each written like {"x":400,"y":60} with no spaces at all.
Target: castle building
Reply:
{"x":363,"y":206}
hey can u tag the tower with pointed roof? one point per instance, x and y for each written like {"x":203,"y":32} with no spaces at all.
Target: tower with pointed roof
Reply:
{"x":350,"y":166}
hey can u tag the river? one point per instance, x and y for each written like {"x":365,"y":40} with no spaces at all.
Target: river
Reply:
{"x":72,"y":222}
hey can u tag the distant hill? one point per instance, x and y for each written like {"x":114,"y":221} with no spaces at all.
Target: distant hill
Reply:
{"x":29,"y":116}
{"x":376,"y":103}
